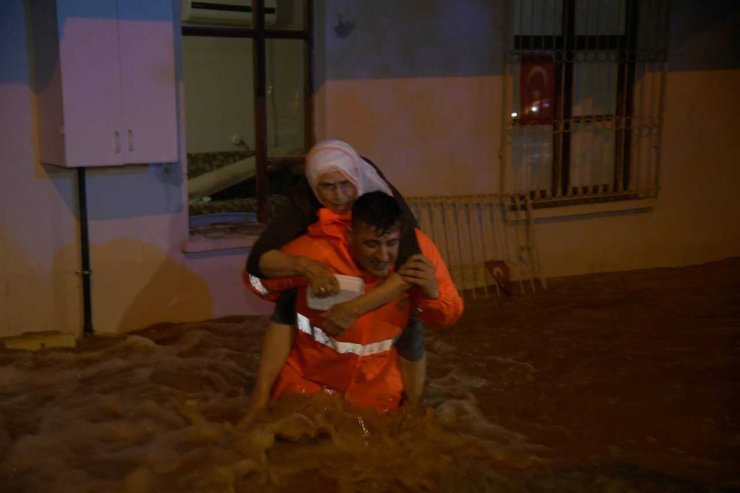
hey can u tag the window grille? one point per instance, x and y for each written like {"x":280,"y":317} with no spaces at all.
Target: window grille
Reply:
{"x":584,"y":83}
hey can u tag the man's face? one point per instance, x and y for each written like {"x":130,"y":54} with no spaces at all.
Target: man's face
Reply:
{"x":375,"y":252}
{"x":336,"y":192}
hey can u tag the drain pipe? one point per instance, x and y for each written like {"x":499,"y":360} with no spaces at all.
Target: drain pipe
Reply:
{"x":85,"y":252}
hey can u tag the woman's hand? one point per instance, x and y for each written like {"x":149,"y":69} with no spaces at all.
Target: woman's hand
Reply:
{"x":339,"y":317}
{"x":418,"y":270}
{"x":320,"y":278}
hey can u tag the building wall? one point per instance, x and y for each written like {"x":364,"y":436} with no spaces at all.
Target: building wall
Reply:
{"x":416,"y":86}
{"x":425,"y":105}
{"x":137,"y":226}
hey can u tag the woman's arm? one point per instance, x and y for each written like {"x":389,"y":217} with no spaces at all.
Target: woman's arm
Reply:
{"x":267,"y":261}
{"x":340,"y":316}
{"x":275,"y":263}
{"x":291,"y":222}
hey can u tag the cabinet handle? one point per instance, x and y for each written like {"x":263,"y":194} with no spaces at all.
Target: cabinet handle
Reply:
{"x":117,"y":142}
{"x":130,"y":140}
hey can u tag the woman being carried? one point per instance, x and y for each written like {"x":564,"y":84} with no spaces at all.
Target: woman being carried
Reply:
{"x":335,"y":176}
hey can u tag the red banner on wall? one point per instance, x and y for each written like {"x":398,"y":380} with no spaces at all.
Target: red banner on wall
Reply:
{"x":537,"y":89}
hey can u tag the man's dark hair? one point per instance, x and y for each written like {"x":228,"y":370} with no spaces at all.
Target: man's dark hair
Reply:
{"x":379,"y":210}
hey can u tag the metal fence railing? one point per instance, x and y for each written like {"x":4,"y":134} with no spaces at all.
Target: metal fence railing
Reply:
{"x":487,"y":241}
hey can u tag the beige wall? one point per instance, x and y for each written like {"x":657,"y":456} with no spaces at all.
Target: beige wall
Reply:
{"x":697,"y":214}
{"x":432,"y":135}
{"x":38,"y":280}
{"x":442,"y":136}
{"x":141,"y":277}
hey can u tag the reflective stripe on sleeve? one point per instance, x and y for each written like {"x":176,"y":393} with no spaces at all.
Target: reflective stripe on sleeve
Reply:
{"x":304,"y":325}
{"x":257,"y":284}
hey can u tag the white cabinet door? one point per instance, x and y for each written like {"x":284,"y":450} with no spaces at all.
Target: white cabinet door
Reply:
{"x":148,"y":85}
{"x":105,"y":82}
{"x":88,"y":56}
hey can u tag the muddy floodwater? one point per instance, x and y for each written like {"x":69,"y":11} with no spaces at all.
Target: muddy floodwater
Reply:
{"x":621,"y":382}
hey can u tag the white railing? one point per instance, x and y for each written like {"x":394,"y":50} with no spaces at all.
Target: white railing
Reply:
{"x":487,"y":241}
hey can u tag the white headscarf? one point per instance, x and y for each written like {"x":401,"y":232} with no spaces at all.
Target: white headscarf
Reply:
{"x":331,"y":155}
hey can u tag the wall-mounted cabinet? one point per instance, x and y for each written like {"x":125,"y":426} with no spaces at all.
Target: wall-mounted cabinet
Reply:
{"x":104,"y":81}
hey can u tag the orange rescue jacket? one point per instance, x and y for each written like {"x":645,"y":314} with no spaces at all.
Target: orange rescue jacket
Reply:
{"x":361,"y":363}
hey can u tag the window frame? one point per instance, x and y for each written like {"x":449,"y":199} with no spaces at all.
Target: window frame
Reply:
{"x":259,"y":34}
{"x":564,"y":48}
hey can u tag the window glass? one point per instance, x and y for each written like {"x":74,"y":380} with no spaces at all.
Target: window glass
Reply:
{"x":219,"y":128}
{"x":594,"y":84}
{"x":592,"y":155}
{"x":599,"y":17}
{"x":538,"y":17}
{"x":286,"y":14}
{"x":285,"y":97}
{"x":228,"y":115}
{"x":532,"y":156}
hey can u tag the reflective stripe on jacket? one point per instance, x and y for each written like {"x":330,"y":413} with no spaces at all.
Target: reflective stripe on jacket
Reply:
{"x":361,"y":364}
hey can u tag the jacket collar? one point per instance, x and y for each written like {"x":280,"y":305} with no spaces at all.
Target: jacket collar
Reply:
{"x":331,"y":225}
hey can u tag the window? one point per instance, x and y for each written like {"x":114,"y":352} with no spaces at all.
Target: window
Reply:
{"x":247,"y":78}
{"x":585,"y":80}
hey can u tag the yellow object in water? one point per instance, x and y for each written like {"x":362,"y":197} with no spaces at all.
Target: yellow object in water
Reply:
{"x":33,"y":341}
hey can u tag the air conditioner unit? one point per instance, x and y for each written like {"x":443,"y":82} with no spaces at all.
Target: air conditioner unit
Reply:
{"x":228,"y":12}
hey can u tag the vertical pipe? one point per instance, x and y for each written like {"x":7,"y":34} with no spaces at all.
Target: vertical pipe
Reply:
{"x":85,"y":272}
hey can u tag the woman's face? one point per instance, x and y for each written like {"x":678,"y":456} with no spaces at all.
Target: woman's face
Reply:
{"x":336,"y":192}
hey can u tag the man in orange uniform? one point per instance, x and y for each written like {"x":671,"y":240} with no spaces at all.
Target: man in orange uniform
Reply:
{"x":361,"y":364}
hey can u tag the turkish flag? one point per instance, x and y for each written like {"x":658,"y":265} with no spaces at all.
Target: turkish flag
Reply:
{"x":537,"y":89}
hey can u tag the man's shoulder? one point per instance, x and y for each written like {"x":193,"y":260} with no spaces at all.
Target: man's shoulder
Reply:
{"x":306,"y":243}
{"x":319,"y":248}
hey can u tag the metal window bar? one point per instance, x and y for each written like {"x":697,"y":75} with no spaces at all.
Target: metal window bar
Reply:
{"x":620,"y":131}
{"x":475,"y":233}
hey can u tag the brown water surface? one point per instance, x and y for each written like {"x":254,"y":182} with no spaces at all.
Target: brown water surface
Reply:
{"x":611,"y":382}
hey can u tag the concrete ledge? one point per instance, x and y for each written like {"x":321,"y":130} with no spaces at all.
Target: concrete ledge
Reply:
{"x":222,"y":236}
{"x":35,"y":341}
{"x":584,"y":209}
{"x":200,"y":245}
